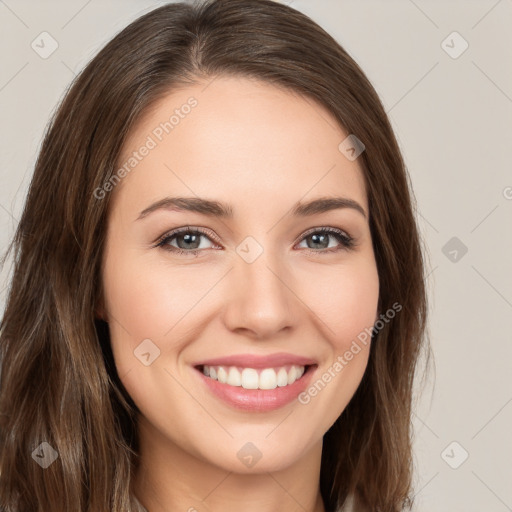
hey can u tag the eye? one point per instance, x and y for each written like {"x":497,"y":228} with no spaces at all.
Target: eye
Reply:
{"x":320,"y":240}
{"x":188,"y":240}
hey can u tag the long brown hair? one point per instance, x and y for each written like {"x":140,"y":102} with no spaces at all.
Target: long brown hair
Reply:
{"x":59,"y":384}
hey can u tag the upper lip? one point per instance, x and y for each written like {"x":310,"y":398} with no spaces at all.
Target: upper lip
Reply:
{"x":256,"y":361}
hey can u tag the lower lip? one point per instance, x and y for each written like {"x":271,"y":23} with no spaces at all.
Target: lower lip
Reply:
{"x":257,"y":400}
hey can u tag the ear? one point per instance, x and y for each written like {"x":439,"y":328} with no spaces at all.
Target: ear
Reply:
{"x":100,"y":312}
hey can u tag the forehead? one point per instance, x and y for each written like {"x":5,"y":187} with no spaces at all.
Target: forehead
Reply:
{"x":235,"y":137}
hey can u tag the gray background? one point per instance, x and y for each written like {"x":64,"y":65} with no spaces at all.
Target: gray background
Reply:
{"x":452,"y":116}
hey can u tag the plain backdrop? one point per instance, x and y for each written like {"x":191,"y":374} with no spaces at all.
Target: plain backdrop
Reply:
{"x":443,"y":71}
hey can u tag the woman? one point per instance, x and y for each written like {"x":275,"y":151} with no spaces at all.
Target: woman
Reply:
{"x":270,"y":364}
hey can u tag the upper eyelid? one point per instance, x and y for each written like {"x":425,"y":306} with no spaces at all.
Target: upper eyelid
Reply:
{"x":329,"y":229}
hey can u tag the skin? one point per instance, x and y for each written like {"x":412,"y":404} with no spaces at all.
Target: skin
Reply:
{"x":259,"y":149}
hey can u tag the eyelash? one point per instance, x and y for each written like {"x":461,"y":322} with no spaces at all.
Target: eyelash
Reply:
{"x":346,"y":241}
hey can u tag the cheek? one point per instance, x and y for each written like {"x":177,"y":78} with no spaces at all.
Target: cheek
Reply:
{"x":153,"y":300}
{"x":147,"y":306}
{"x":357,"y":300}
{"x":149,"y":298}
{"x":346,"y":302}
{"x":344,"y":298}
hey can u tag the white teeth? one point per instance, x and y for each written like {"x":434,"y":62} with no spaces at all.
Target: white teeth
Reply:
{"x":250,"y":378}
{"x":282,"y":377}
{"x":234,"y":377}
{"x":268,"y":379}
{"x":222,"y":375}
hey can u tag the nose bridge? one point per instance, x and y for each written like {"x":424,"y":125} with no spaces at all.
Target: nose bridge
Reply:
{"x":261,"y":301}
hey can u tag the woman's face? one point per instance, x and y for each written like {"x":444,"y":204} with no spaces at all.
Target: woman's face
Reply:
{"x":262,"y":293}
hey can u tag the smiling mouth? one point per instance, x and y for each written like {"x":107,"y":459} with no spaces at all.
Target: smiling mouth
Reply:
{"x":252,"y":378}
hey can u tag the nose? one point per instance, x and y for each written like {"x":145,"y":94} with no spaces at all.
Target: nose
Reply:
{"x":261,"y":302}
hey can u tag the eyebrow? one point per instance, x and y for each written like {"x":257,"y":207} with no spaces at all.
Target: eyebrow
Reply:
{"x":213,"y":208}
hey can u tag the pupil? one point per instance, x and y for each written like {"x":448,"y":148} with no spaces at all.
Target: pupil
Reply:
{"x":187,"y":239}
{"x":316,"y":237}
